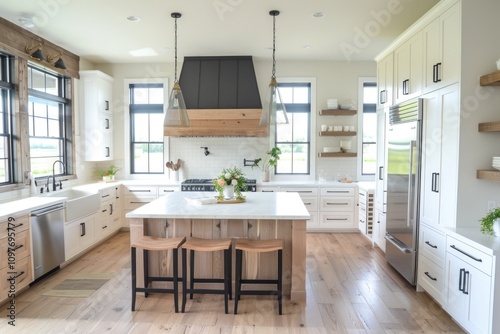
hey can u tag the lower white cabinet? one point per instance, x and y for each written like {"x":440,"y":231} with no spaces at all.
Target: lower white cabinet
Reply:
{"x":431,"y":262}
{"x":309,"y":197}
{"x":379,"y":228}
{"x":79,"y":235}
{"x":110,"y":212}
{"x":469,"y":291}
{"x":336,"y":208}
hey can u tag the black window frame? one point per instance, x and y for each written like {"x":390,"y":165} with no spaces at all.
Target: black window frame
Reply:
{"x":7,"y":90}
{"x":368,"y":108}
{"x":143,"y":109}
{"x":290,"y":109}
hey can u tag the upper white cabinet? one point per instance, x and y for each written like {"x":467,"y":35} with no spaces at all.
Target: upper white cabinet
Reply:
{"x":441,"y":42}
{"x":96,"y":115}
{"x":385,"y":73}
{"x":408,"y":69}
{"x":440,"y":157}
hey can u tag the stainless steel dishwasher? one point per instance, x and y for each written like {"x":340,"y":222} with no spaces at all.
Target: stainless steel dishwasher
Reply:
{"x":47,"y":228}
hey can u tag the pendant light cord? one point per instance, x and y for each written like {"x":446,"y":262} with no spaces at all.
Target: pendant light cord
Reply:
{"x":274,"y":47}
{"x":175,"y":73}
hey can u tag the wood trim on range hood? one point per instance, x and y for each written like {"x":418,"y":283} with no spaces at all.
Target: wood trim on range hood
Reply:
{"x":221,"y":122}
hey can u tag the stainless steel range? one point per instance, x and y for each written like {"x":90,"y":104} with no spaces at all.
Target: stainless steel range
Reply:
{"x":207,"y":185}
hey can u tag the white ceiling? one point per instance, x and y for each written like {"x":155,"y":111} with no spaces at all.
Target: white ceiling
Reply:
{"x":98,"y":30}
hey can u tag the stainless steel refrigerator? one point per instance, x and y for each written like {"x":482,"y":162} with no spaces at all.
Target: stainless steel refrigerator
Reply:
{"x":403,"y":142}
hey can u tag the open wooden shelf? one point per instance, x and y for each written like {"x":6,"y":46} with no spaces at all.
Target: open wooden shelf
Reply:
{"x":489,"y":127}
{"x":492,"y":79}
{"x":337,"y":133}
{"x":488,"y":174}
{"x":337,"y":155}
{"x":337,"y":112}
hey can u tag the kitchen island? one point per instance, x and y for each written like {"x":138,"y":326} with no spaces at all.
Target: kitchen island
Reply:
{"x":262,"y":216}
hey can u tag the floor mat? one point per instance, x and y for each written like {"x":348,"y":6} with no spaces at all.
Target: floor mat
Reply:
{"x":80,"y":286}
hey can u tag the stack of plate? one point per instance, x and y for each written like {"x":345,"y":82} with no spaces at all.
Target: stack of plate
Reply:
{"x":496,"y":163}
{"x":331,"y":149}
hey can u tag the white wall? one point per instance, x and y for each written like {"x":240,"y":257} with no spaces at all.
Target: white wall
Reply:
{"x":333,"y":80}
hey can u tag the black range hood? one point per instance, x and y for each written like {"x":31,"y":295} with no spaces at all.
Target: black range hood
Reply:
{"x":222,"y":97}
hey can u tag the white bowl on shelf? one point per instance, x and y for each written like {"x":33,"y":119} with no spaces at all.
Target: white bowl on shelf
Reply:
{"x":333,"y":149}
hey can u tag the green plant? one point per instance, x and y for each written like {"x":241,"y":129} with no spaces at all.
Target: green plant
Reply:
{"x":488,"y":220}
{"x":230,"y":176}
{"x":270,"y":161}
{"x":112,"y":170}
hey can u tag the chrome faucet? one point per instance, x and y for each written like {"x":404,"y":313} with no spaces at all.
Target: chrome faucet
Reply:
{"x":54,"y":186}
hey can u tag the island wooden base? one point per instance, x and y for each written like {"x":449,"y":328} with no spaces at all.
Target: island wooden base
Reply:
{"x":292,"y":232}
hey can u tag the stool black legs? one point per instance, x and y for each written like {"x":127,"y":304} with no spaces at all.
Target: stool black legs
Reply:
{"x":239,"y":280}
{"x":149,"y":279}
{"x":192,"y":279}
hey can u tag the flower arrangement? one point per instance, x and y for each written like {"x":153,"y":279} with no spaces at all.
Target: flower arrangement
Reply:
{"x":232,"y":177}
{"x":270,"y":161}
{"x":488,"y":221}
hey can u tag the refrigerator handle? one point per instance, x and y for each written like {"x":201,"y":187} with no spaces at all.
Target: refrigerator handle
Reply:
{"x":398,"y":244}
{"x":411,"y":195}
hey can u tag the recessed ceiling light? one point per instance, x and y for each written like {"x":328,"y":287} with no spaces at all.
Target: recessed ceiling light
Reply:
{"x":318,"y":15}
{"x":133,"y":18}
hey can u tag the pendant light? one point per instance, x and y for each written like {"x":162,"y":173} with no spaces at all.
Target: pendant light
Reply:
{"x":176,"y":114}
{"x":274,"y":111}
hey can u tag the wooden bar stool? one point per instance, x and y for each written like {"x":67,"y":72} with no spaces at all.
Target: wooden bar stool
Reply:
{"x":258,"y":246}
{"x":147,"y":244}
{"x":206,"y":245}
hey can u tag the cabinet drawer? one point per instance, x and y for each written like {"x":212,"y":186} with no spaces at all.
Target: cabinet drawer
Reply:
{"x":337,"y":220}
{"x":337,"y":192}
{"x":470,"y":255}
{"x":431,"y":278}
{"x":22,"y":247}
{"x":19,"y":224}
{"x":167,"y":189}
{"x":301,"y":191}
{"x":337,"y":204}
{"x":432,"y":245}
{"x":22,"y":274}
{"x":107,"y":194}
{"x":140,"y":190}
{"x":311,"y":203}
{"x":264,"y":189}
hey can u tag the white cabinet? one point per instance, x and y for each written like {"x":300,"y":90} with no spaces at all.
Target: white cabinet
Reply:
{"x":385,"y":72}
{"x":408,"y":69}
{"x":468,"y":298}
{"x":441,"y":42}
{"x":135,"y":196}
{"x":431,"y":262}
{"x":337,"y":209}
{"x":309,"y":197}
{"x":440,"y":157}
{"x":79,"y":235}
{"x":96,"y":115}
{"x":366,"y":211}
{"x":109,"y":216}
{"x":379,"y":229}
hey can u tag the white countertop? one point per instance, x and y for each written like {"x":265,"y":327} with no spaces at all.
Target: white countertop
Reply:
{"x":486,"y":243}
{"x":277,"y":205}
{"x":25,"y":205}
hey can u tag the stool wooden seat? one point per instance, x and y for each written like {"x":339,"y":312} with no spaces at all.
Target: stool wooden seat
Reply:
{"x":147,"y":244}
{"x":258,"y":246}
{"x":206,"y":245}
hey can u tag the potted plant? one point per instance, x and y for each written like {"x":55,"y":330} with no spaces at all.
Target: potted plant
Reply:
{"x":108,"y":174}
{"x":490,"y":224}
{"x":270,"y":161}
{"x":230,"y":181}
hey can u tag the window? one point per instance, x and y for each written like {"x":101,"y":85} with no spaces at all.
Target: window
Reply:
{"x":294,"y":138}
{"x":50,"y":125}
{"x":146,"y":129}
{"x":6,"y":135}
{"x":368,"y":128}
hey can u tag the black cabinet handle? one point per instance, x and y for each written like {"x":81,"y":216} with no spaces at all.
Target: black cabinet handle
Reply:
{"x":18,"y":275}
{"x":433,"y":246}
{"x":383,"y":96}
{"x":435,"y":73}
{"x":380,"y":173}
{"x":460,"y":280}
{"x":140,"y":191}
{"x":428,"y":275}
{"x":106,"y":105}
{"x":107,"y":151}
{"x":106,"y":126}
{"x":110,"y":209}
{"x":465,"y":253}
{"x":466,"y":286}
{"x":82,"y":229}
{"x":434,"y":182}
{"x":406,"y":87}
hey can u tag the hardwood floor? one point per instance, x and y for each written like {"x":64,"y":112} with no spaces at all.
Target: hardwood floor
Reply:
{"x":350,"y":289}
